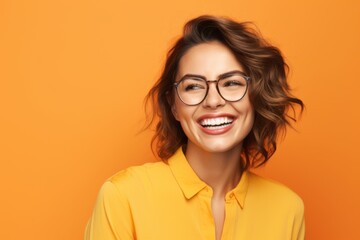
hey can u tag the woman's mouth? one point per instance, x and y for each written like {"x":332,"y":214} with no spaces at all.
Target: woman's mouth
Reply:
{"x":216,"y":124}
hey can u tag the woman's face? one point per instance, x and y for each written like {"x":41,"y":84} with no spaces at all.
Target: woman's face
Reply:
{"x":215,"y":125}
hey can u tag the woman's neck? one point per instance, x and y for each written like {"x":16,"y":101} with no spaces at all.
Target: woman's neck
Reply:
{"x":220,"y":170}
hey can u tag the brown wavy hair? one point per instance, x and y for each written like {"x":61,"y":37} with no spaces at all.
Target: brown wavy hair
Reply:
{"x":269,"y":91}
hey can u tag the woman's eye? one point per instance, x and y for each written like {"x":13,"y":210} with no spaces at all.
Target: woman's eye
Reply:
{"x":192,"y":87}
{"x":235,"y":83}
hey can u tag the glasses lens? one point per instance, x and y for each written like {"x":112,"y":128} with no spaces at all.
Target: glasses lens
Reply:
{"x":192,"y":91}
{"x":232,"y":88}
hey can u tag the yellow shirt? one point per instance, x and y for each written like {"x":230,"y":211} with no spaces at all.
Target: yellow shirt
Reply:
{"x":159,"y":201}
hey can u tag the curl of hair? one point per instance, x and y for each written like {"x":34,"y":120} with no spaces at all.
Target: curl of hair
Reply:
{"x":269,"y":91}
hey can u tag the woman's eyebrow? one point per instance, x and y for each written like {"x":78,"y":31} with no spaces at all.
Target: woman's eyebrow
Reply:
{"x":193,"y":76}
{"x":219,"y":76}
{"x":227,"y":74}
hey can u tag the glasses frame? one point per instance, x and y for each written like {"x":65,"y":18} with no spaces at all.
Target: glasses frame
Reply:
{"x":222,"y":76}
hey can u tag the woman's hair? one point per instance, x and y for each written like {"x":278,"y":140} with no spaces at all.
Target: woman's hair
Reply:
{"x":269,"y":91}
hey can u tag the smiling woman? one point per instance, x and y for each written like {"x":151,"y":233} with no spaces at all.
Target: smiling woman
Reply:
{"x":215,"y":124}
{"x":221,"y":102}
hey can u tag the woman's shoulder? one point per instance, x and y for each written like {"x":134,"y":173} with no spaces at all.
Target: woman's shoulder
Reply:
{"x":140,"y":175}
{"x":273,"y":191}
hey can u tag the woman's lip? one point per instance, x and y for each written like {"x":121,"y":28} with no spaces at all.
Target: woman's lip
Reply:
{"x":216,"y":131}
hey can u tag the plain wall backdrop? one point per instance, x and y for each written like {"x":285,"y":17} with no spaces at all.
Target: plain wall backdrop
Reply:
{"x":73,"y":75}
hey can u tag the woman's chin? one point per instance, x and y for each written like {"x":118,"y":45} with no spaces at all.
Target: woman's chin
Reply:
{"x":217,"y":146}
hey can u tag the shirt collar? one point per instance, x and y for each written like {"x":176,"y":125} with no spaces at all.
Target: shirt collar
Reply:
{"x":185,"y":176}
{"x":241,"y":189}
{"x":191,"y":184}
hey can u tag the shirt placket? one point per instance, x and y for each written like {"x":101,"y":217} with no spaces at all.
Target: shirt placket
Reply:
{"x":207,"y":219}
{"x":230,"y":203}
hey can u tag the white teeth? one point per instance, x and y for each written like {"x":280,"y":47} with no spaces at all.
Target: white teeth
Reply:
{"x":216,"y":122}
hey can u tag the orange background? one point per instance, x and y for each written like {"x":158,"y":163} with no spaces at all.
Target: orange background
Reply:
{"x":73,"y":74}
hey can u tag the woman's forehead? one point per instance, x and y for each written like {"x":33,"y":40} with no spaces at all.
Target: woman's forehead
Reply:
{"x":208,"y":59}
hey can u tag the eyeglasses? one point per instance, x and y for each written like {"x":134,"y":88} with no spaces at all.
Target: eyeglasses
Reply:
{"x":193,"y":89}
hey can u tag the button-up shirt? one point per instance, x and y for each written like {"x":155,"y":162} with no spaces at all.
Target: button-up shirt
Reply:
{"x":168,"y":201}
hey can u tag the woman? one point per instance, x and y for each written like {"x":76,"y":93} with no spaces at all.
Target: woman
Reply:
{"x":222,"y":101}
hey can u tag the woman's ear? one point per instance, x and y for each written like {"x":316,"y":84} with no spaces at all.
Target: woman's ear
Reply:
{"x":174,"y":112}
{"x":171,"y":102}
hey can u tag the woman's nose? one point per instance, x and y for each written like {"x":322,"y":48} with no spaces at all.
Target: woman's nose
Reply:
{"x":213,"y":98}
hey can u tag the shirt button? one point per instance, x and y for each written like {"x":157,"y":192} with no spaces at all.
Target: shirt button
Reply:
{"x":231,"y":195}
